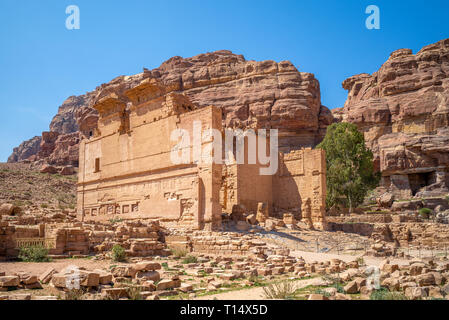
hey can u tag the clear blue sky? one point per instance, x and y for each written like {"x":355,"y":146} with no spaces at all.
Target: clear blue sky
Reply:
{"x":42,"y":63}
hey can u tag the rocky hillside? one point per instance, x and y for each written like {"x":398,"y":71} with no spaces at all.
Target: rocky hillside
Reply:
{"x":252,"y":94}
{"x":403,"y":109}
{"x":32,"y":191}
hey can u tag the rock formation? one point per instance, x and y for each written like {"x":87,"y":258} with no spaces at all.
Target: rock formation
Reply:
{"x":25,"y":150}
{"x":403,"y":110}
{"x":251,"y":94}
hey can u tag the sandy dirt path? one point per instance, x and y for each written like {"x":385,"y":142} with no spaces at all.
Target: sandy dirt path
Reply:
{"x":39,"y":268}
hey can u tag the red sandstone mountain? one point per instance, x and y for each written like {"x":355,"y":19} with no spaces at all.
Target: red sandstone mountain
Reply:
{"x":403,"y":109}
{"x":252,"y":94}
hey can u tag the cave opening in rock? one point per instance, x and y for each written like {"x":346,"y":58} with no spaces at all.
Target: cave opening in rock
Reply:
{"x":420,"y":180}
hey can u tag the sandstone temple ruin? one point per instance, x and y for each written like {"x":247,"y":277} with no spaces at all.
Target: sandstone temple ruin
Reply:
{"x":126,"y":170}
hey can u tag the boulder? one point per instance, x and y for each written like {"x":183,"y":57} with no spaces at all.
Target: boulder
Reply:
{"x":9,"y":281}
{"x":385,"y":200}
{"x":46,"y":168}
{"x":427,"y":279}
{"x":416,"y":268}
{"x":435,"y":292}
{"x":415,"y":293}
{"x":391,"y":283}
{"x":351,"y":287}
{"x":75,"y":280}
{"x":67,"y":171}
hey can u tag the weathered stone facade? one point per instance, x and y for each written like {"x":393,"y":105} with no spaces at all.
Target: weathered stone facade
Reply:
{"x":126,"y":170}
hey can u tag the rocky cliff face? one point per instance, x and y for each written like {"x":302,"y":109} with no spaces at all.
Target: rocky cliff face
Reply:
{"x":251,"y":94}
{"x":403,"y":109}
{"x":26,"y":150}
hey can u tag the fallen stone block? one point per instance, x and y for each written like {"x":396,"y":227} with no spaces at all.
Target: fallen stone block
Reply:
{"x":424,"y":280}
{"x":415,"y":293}
{"x":89,"y":279}
{"x":124,"y":271}
{"x":185,"y":287}
{"x":147,"y":266}
{"x":26,"y":278}
{"x":148,"y":275}
{"x":351,"y":287}
{"x":32,"y":286}
{"x":9,"y":281}
{"x":104,"y":277}
{"x":165,"y":284}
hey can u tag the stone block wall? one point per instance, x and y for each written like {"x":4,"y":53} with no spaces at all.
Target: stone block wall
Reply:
{"x":127,"y":170}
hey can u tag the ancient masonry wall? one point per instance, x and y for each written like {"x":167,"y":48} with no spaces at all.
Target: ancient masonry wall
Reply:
{"x":223,"y":244}
{"x":126,"y":170}
{"x":59,"y":239}
{"x":298,"y":187}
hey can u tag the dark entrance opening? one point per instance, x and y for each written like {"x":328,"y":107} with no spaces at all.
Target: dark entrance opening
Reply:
{"x":420,"y":180}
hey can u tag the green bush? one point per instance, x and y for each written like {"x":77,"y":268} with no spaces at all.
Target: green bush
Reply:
{"x":322,"y":292}
{"x":384,"y":294}
{"x":36,"y":253}
{"x":115,"y":220}
{"x":190,"y":259}
{"x":118,"y":253}
{"x":425,"y":213}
